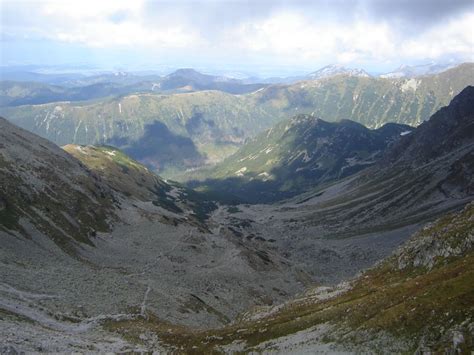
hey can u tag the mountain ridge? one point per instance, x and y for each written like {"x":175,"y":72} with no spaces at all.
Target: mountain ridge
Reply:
{"x":298,"y":154}
{"x":412,"y":71}
{"x":335,"y":69}
{"x":215,"y":124}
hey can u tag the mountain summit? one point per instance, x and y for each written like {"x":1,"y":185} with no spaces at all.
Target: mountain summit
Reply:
{"x":411,"y":71}
{"x":335,"y":69}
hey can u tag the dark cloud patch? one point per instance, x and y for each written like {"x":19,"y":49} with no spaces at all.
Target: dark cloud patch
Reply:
{"x":419,"y":12}
{"x":212,"y":16}
{"x":207,"y":14}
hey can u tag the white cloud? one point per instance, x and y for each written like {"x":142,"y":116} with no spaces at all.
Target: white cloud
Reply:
{"x":93,"y":23}
{"x":285,"y":35}
{"x":297,"y":36}
{"x":87,"y":9}
{"x":455,"y":36}
{"x":127,"y":34}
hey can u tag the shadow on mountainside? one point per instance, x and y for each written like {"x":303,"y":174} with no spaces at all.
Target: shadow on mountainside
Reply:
{"x":312,"y":152}
{"x":431,"y":166}
{"x":159,"y":148}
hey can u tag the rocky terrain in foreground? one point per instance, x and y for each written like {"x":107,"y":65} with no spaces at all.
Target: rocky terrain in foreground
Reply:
{"x":401,"y":305}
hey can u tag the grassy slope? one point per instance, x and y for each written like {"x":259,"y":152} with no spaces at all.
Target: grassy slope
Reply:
{"x":407,"y":302}
{"x":370,"y":101}
{"x":122,"y":173}
{"x":135,"y":181}
{"x":297,"y":154}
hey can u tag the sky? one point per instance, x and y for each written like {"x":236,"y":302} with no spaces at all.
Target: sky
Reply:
{"x":265,"y":37}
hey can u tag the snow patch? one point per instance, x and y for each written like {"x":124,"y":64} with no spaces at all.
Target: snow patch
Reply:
{"x":241,"y":171}
{"x":411,"y":84}
{"x":174,"y":193}
{"x":80,"y":149}
{"x":264,"y":176}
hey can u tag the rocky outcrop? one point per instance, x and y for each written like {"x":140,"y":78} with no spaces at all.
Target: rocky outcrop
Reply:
{"x":450,"y":237}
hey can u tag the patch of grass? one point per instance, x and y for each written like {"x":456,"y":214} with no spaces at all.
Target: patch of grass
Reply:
{"x":233,"y":209}
{"x":9,"y":218}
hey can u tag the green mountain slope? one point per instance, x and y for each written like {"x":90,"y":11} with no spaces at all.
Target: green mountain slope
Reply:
{"x":298,"y":154}
{"x":215,"y":124}
{"x":301,"y":153}
{"x":214,"y":120}
{"x":370,"y":101}
{"x":136,"y":182}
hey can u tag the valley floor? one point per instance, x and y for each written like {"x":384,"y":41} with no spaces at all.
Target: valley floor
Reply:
{"x":253,"y":257}
{"x":250,"y":256}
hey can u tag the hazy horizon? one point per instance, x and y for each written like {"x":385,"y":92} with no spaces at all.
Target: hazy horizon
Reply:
{"x":262,"y":38}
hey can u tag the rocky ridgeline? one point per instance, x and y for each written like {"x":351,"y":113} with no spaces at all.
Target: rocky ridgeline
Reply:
{"x":450,"y":237}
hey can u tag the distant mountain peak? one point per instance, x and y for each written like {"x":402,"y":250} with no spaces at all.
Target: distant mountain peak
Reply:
{"x":410,"y":71}
{"x":185,"y":71}
{"x":336,"y":69}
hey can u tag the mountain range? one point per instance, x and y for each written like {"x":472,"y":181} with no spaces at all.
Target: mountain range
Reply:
{"x":332,"y":70}
{"x":305,"y":151}
{"x":298,"y":154}
{"x":16,"y":93}
{"x":412,"y":71}
{"x":211,"y":125}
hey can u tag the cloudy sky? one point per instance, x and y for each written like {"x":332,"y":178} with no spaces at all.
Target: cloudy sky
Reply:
{"x":259,"y":35}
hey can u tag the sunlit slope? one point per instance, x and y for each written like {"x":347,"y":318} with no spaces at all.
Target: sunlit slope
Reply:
{"x":298,"y":154}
